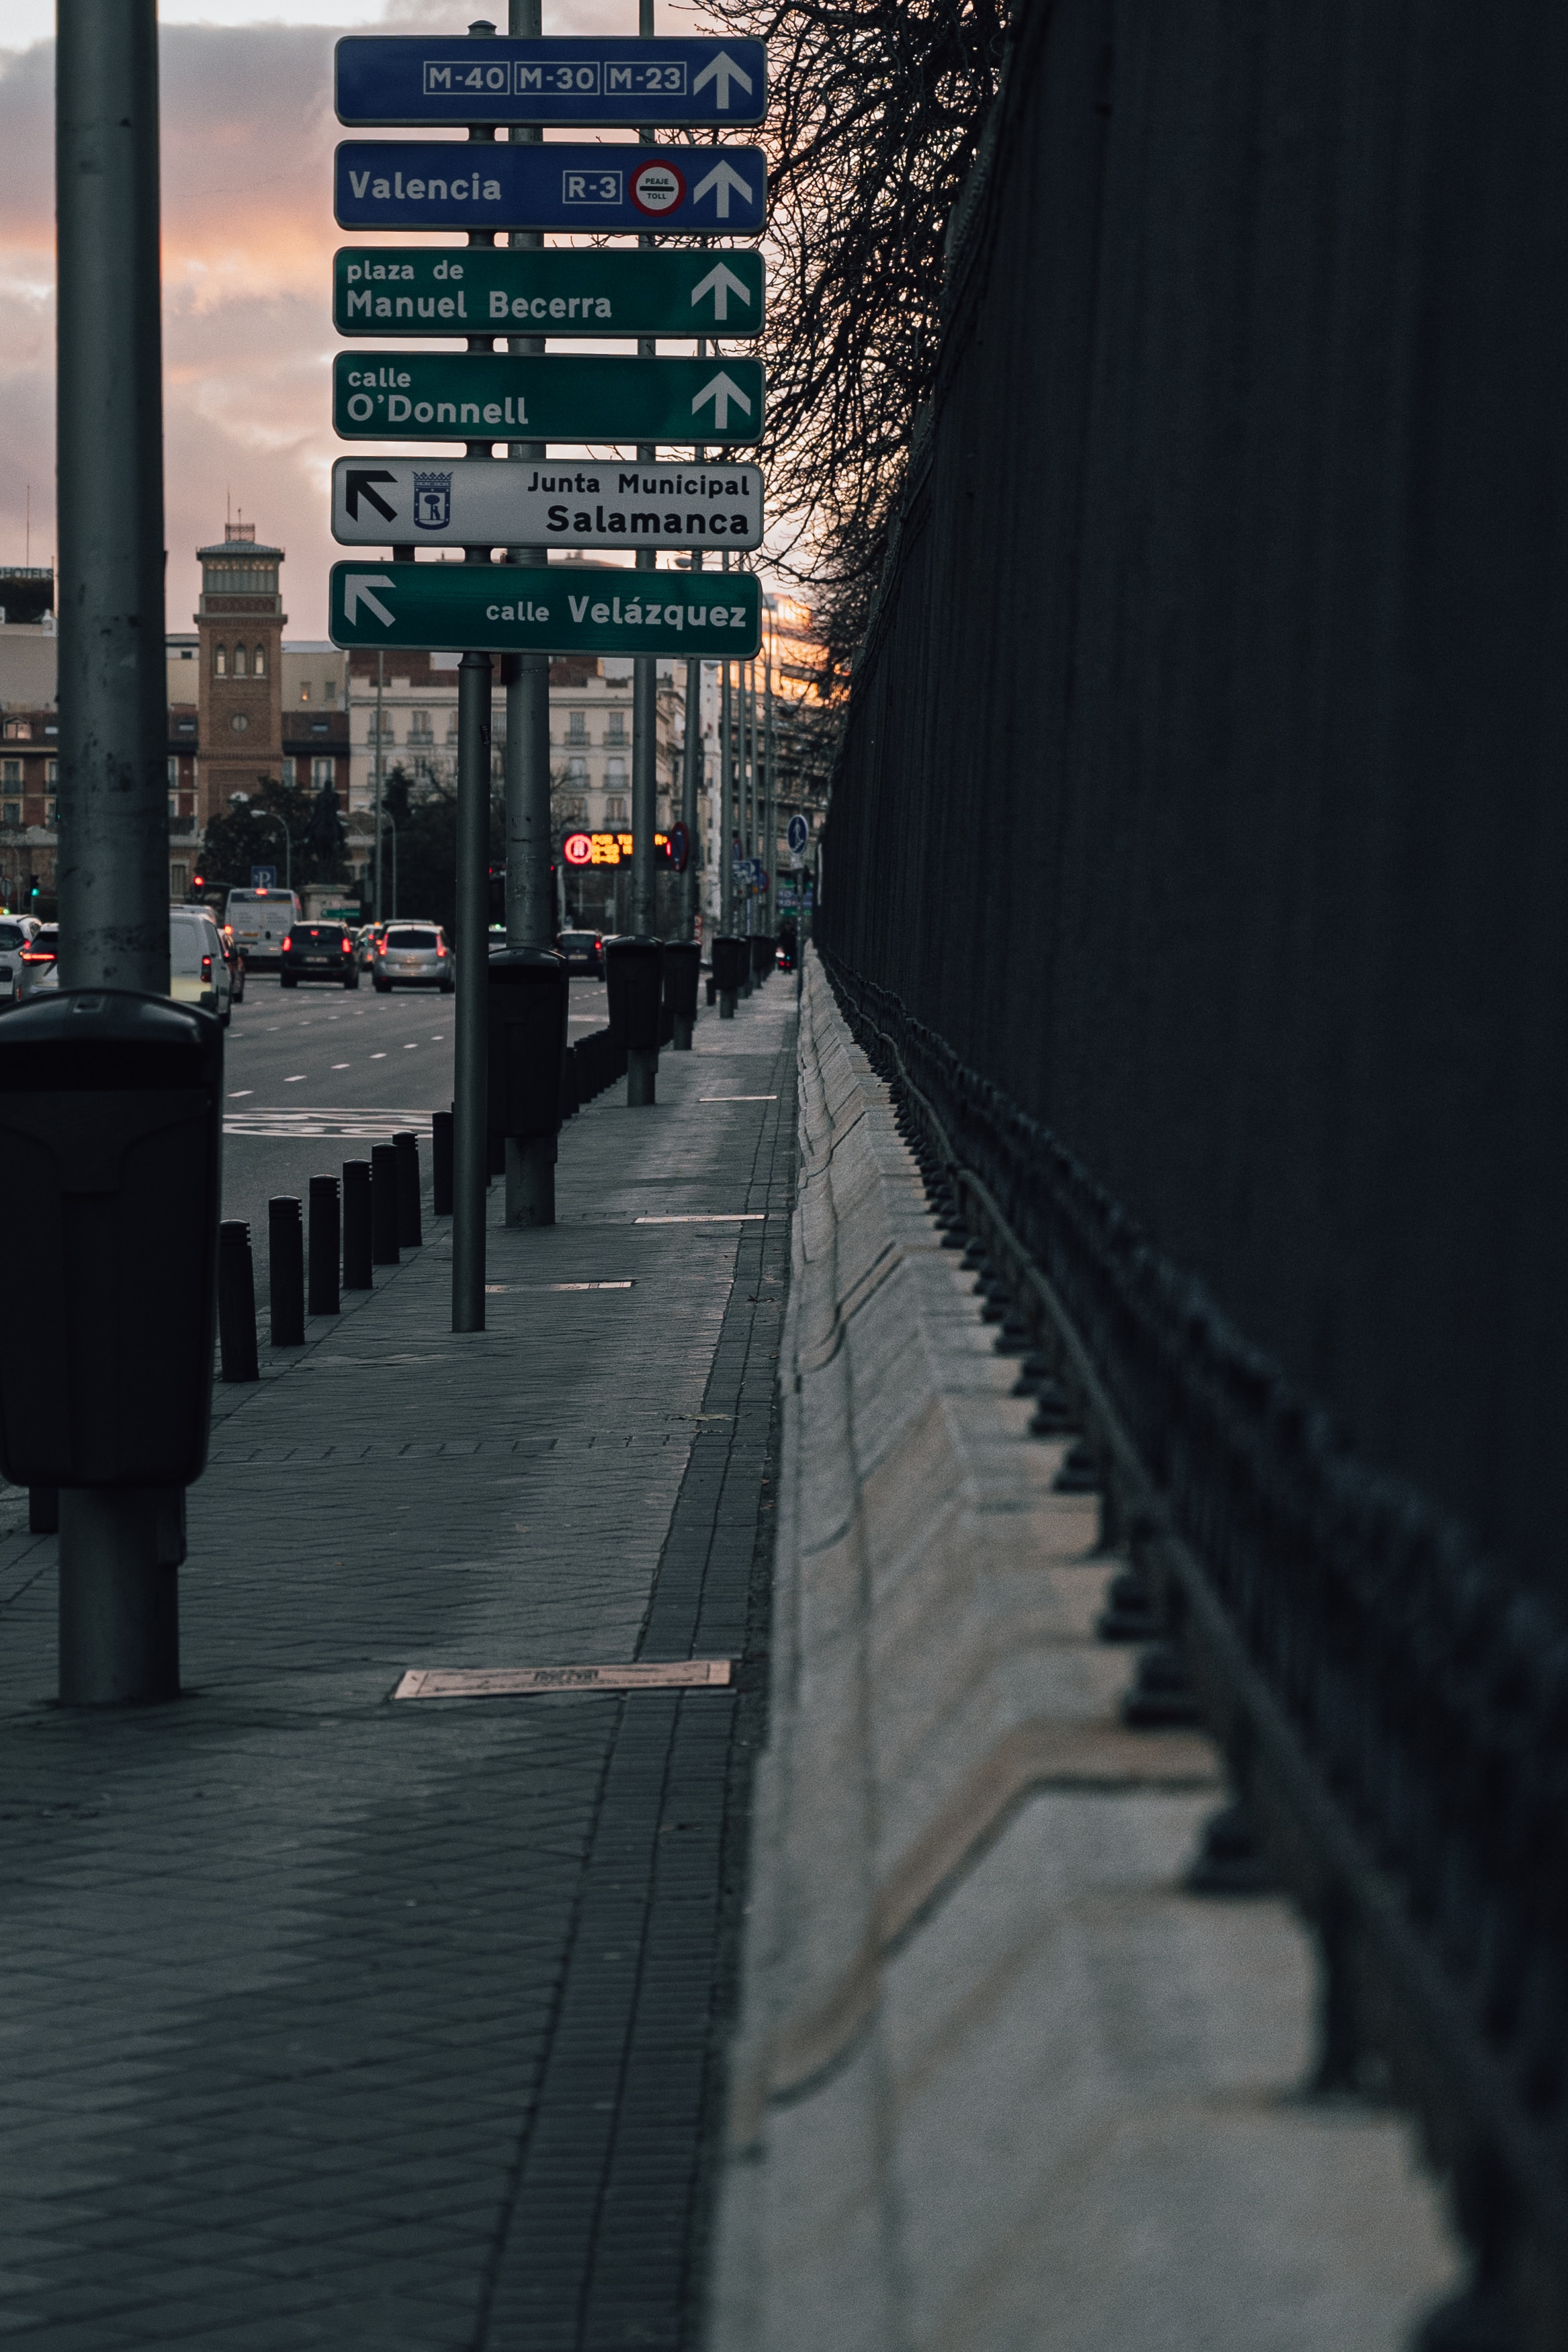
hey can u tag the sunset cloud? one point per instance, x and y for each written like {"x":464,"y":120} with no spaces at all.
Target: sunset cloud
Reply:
{"x":248,"y":137}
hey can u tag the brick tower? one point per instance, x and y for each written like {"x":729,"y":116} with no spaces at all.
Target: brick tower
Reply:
{"x":240,"y":630}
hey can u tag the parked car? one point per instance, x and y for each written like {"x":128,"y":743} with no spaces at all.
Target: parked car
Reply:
{"x":235,"y":962}
{"x":39,"y":958}
{"x":198,"y":969}
{"x":583,"y":951}
{"x":413,"y":955}
{"x":15,"y":977}
{"x":319,"y":952}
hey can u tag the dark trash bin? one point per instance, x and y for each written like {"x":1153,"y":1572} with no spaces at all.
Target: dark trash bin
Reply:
{"x":529,"y":1003}
{"x":682,"y":973}
{"x":634,"y":972}
{"x":110,"y":1104}
{"x":730,"y":954}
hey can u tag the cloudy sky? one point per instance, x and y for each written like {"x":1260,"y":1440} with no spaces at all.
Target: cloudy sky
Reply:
{"x":247,"y":135}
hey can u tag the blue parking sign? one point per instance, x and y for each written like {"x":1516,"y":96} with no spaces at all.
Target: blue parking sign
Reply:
{"x":264,"y":877}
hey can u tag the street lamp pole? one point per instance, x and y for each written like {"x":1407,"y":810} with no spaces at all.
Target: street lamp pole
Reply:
{"x":119,"y":1548}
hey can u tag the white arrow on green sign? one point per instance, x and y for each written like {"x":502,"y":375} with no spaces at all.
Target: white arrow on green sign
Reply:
{"x":411,"y":289}
{"x":562,"y":608}
{"x":561,"y":396}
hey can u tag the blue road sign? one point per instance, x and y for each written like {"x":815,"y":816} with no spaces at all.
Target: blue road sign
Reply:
{"x":264,"y":877}
{"x":798,"y":835}
{"x":406,"y":183}
{"x":425,"y":79}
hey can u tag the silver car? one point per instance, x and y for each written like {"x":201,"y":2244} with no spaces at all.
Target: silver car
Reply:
{"x":413,"y":955}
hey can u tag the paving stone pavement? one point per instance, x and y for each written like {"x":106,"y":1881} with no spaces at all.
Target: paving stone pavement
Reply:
{"x":331,"y":2020}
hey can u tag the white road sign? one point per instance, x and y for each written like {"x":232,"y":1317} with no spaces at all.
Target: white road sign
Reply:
{"x":559,"y":502}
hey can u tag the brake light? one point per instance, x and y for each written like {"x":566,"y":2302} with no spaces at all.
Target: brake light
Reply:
{"x":348,"y":947}
{"x":381,"y":947}
{"x":38,"y":955}
{"x":287,"y":942}
{"x":440,"y":947}
{"x":206,"y":967}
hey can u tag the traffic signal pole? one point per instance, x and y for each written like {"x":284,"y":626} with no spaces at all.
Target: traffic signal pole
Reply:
{"x":119,"y":1548}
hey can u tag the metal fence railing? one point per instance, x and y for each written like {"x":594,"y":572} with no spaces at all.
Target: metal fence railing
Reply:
{"x":1195,"y":871}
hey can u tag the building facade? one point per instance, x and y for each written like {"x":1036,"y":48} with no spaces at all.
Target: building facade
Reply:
{"x":240,"y":666}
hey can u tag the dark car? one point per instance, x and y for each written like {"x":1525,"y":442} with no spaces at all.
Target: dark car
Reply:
{"x":583,"y":951}
{"x":319,"y":952}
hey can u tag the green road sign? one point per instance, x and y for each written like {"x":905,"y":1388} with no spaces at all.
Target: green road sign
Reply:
{"x":472,"y":396}
{"x":410,"y":289}
{"x":559,"y":608}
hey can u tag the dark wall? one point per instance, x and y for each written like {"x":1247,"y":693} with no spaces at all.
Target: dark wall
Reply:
{"x":1206,"y":779}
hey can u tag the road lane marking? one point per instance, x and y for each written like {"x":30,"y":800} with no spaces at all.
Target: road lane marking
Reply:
{"x":708,"y":1217}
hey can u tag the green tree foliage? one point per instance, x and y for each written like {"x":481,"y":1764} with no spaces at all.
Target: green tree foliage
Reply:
{"x":428,"y":848}
{"x":246,"y":836}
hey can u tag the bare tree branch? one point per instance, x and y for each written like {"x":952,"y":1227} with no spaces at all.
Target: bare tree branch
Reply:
{"x":875,"y":117}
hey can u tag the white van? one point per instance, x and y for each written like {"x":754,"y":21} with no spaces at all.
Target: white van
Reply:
{"x":198,"y":969}
{"x":261,"y":921}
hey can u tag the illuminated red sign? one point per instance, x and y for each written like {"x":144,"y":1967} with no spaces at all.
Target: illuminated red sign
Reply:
{"x":608,"y":848}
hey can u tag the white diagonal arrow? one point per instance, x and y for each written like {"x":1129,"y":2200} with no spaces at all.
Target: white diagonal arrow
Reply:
{"x":721,"y":179}
{"x":721,"y":390}
{"x":356,"y":592}
{"x":722,"y":73}
{"x":721,"y":283}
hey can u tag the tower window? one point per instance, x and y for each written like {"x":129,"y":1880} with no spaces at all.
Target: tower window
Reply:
{"x":220,"y":661}
{"x":239,"y":661}
{"x":259,"y":662}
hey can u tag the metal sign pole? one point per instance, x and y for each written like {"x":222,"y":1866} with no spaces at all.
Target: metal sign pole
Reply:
{"x":470,"y":1130}
{"x":529,"y":899}
{"x":726,"y":801}
{"x":470,"y":1139}
{"x":118,"y":1608}
{"x":642,"y":1062}
{"x":770,"y":801}
{"x":380,"y":768}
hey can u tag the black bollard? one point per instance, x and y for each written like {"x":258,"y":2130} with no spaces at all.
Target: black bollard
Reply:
{"x":441,"y":1164}
{"x":357,"y":1275}
{"x":326,"y":1240}
{"x":43,"y":1510}
{"x":237,"y":1302}
{"x":384,"y":1219}
{"x":286,"y":1271}
{"x":410,"y":1231}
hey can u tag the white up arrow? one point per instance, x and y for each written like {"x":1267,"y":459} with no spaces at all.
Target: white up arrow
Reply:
{"x":721,"y":283}
{"x":356,"y":592}
{"x":723,"y":390}
{"x":722,"y":73}
{"x":721,"y":179}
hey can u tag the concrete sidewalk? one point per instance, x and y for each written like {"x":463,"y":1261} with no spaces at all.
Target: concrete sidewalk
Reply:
{"x":328,"y":2020}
